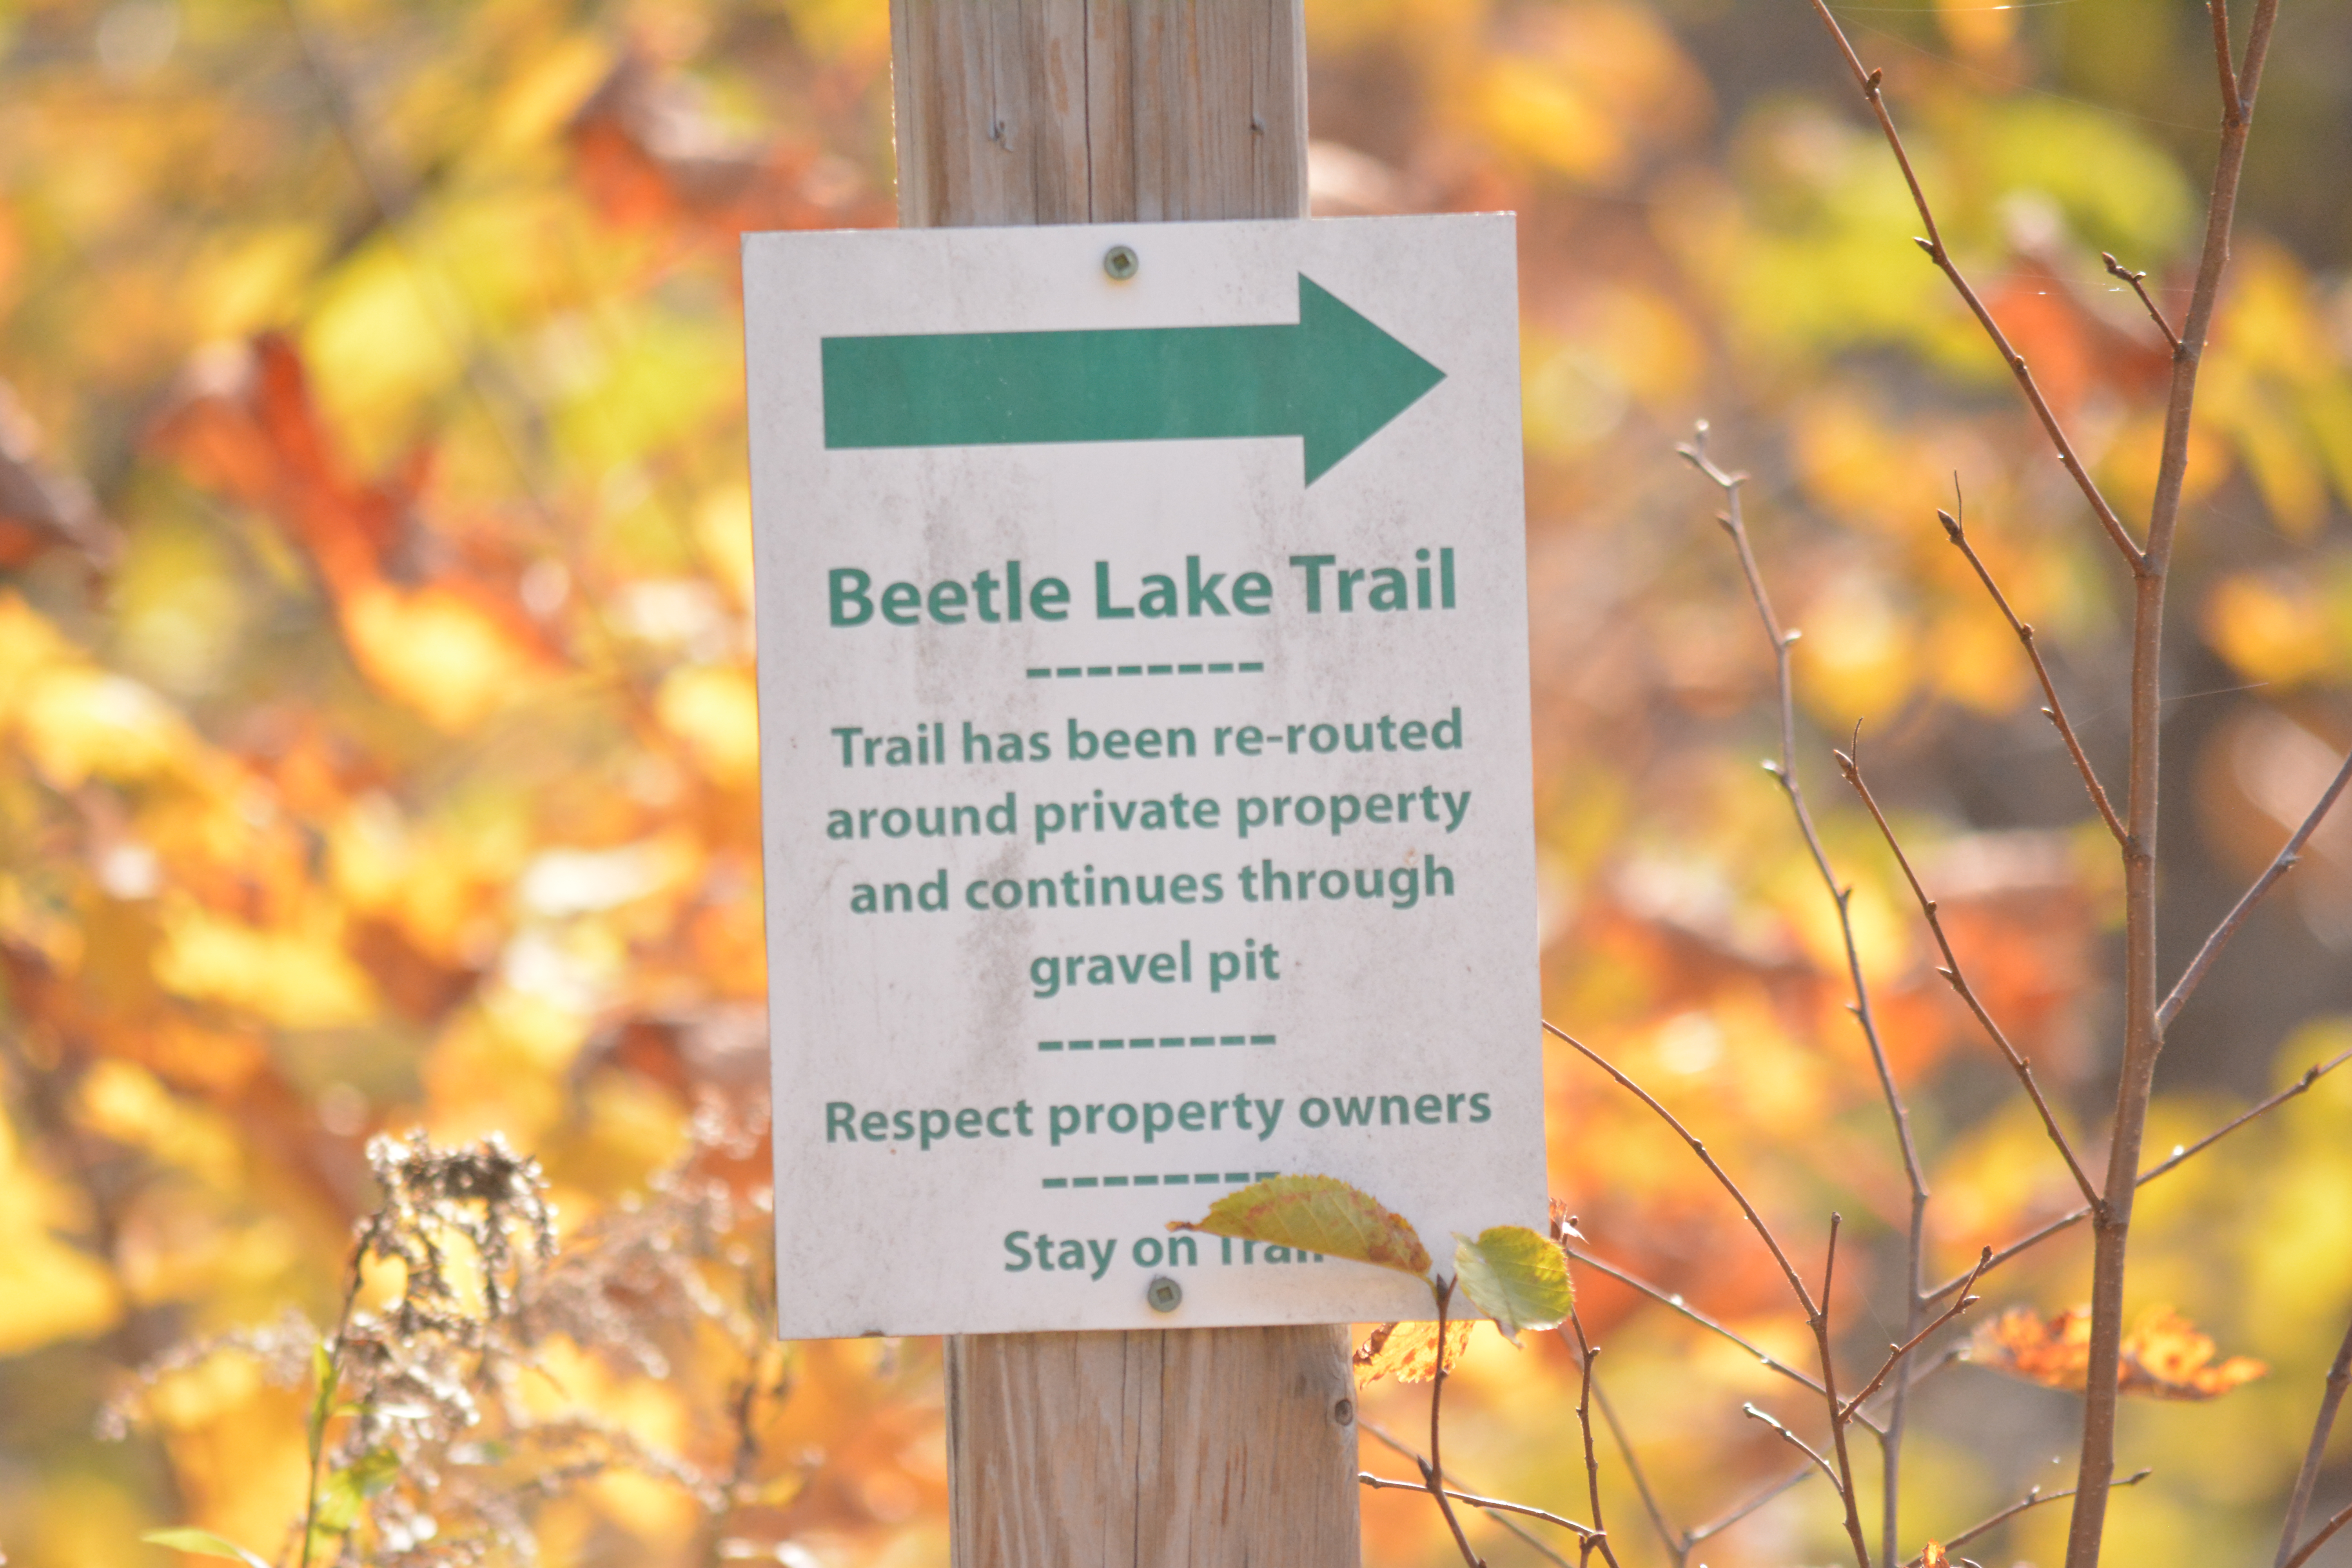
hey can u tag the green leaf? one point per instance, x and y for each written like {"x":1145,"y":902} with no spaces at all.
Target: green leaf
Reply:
{"x":1316,"y":1214}
{"x":373,"y":1471}
{"x":204,"y":1543}
{"x":337,"y":1507}
{"x":344,"y":1491}
{"x":1514,"y":1277}
{"x":328,"y":1378}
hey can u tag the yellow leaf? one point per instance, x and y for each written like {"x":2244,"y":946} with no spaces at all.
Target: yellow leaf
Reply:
{"x":1516,"y":1276}
{"x":1529,"y":109}
{"x":2269,"y":631}
{"x":715,"y":709}
{"x":300,"y":979}
{"x":49,"y":1290}
{"x":438,"y":652}
{"x":1316,"y":1214}
{"x":83,"y":724}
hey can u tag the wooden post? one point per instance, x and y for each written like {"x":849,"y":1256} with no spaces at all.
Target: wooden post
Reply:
{"x":1208,"y":1447}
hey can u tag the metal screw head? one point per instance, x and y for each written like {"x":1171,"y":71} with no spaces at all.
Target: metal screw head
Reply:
{"x":1121,"y":262}
{"x":1164,"y":1294}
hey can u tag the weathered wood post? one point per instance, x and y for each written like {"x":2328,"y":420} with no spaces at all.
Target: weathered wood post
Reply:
{"x":1209,"y":1446}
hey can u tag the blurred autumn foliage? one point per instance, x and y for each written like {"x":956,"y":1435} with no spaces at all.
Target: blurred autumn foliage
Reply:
{"x":377,"y":745}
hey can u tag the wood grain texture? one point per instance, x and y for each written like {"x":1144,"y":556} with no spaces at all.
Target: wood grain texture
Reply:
{"x":1206,"y":1447}
{"x":1017,"y":111}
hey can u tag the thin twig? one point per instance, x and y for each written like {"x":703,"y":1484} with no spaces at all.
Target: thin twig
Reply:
{"x":1698,"y":1147}
{"x":2055,"y":710}
{"x":1840,"y":898}
{"x":1717,"y":1526}
{"x":1839,"y":1417}
{"x":1674,"y":1301}
{"x":2138,"y":282}
{"x":1896,"y":1353}
{"x":1504,"y":1520}
{"x":1798,"y":1443}
{"x":1433,"y":1471}
{"x":1785,"y":772}
{"x":1586,"y":1351}
{"x":2339,"y":1374}
{"x":2280,"y":866}
{"x":2034,"y":1499}
{"x":1490,"y":1504}
{"x":2233,"y":108}
{"x":2341,"y":1517}
{"x":1933,"y":244}
{"x":2179,"y":1156}
{"x":1959,"y":983}
{"x":1675,"y":1545}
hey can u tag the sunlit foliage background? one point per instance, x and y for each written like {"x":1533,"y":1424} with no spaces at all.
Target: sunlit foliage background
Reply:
{"x":376,"y":720}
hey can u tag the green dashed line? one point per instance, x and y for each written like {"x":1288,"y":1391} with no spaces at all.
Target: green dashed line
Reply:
{"x":1076,"y":672}
{"x":1164,"y":1179}
{"x":1152,"y":1042}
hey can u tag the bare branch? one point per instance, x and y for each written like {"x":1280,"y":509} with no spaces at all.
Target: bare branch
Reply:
{"x":2279,"y":866}
{"x":1678,"y":1546}
{"x":2032,"y":1500}
{"x":1717,"y":1527}
{"x":1785,"y":772}
{"x":1504,"y":1520}
{"x":2143,"y":1033}
{"x":1869,"y":81}
{"x":2341,"y":1517}
{"x":1796,"y":1282}
{"x":1586,"y":1352}
{"x":2180,"y":1155}
{"x":1674,"y":1301}
{"x":1896,"y":1353}
{"x":2233,"y":108}
{"x":1798,"y":1443}
{"x":1838,"y":1415}
{"x":1491,"y":1505}
{"x":1840,"y":898}
{"x":2055,"y":710}
{"x":1433,"y":1471}
{"x":2138,"y":282}
{"x":2339,"y":1374}
{"x":1959,"y":983}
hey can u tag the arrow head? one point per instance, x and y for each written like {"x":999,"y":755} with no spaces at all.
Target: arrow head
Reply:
{"x":1354,"y":377}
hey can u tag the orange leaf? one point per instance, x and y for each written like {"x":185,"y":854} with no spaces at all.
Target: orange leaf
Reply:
{"x":2165,"y":1355}
{"x":1408,"y":1352}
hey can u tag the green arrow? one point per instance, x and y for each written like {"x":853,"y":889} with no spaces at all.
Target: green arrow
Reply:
{"x":1334,"y":380}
